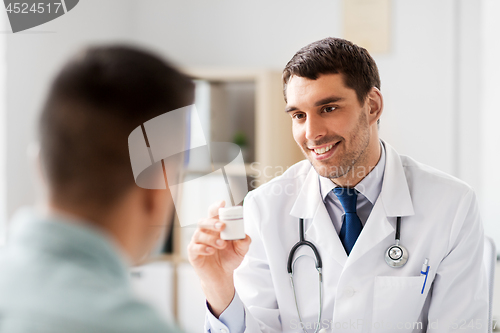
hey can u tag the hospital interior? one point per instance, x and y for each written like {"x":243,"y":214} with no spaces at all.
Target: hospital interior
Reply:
{"x":439,"y":78}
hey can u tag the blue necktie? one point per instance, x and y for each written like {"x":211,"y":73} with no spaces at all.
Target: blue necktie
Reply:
{"x":351,"y":228}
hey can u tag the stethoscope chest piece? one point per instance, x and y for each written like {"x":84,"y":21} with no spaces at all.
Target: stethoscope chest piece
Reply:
{"x":396,"y":255}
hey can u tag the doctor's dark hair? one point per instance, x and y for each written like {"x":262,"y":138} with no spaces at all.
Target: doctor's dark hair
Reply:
{"x":94,"y":102}
{"x":334,"y":56}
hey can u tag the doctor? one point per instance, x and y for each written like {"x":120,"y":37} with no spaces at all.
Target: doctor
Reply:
{"x":349,"y":194}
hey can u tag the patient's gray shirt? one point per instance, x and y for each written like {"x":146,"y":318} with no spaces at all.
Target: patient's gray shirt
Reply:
{"x":60,"y":276}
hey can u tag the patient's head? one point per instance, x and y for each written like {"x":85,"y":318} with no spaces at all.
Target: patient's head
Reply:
{"x":95,"y":101}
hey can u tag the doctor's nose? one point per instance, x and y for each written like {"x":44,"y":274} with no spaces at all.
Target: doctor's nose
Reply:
{"x":315,"y":128}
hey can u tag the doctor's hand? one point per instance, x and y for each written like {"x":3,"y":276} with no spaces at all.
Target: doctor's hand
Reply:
{"x":215,"y":259}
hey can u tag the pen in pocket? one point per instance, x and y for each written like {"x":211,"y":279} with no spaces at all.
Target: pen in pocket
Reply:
{"x":425,"y":271}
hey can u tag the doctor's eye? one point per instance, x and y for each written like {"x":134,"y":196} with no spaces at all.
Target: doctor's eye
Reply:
{"x":298,"y":115}
{"x":329,"y":109}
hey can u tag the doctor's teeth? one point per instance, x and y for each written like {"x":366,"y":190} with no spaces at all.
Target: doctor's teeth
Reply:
{"x":323,"y":150}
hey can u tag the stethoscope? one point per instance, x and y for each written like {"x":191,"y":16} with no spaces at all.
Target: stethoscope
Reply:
{"x":396,"y":256}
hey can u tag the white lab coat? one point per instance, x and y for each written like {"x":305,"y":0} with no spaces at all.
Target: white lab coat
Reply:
{"x":361,"y":293}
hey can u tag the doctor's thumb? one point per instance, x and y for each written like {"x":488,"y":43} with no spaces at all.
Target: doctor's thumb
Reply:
{"x":243,"y":245}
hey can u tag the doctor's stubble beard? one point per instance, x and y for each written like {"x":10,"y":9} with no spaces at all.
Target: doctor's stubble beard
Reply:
{"x":349,"y":160}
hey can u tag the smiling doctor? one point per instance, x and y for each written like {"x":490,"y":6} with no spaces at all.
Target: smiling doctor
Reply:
{"x":381,"y":242}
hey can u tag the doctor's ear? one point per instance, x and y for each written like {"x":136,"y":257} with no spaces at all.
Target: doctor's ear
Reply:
{"x":375,"y":103}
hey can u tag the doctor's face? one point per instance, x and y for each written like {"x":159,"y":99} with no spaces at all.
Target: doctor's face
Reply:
{"x":330,"y":125}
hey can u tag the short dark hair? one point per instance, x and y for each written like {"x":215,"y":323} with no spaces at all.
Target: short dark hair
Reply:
{"x":334,"y":56}
{"x":94,"y":102}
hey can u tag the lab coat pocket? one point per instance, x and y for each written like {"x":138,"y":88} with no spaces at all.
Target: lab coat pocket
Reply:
{"x":397,"y":303}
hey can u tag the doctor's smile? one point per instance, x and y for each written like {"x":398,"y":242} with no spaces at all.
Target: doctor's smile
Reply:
{"x":325,"y":151}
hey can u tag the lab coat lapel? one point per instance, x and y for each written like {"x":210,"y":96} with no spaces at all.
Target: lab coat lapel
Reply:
{"x":318,"y":224}
{"x":394,"y":200}
{"x":395,"y":192}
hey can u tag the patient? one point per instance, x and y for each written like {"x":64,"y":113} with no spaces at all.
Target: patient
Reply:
{"x":66,"y":266}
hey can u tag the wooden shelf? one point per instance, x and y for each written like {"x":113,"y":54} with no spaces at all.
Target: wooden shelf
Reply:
{"x":274,"y":144}
{"x":250,"y":170}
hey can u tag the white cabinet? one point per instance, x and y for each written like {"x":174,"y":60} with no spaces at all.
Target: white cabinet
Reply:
{"x":174,"y":290}
{"x":190,"y":299}
{"x":154,"y":284}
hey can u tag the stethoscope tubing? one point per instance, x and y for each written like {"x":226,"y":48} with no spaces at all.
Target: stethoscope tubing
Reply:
{"x":319,"y":267}
{"x":319,"y":264}
{"x":302,"y":241}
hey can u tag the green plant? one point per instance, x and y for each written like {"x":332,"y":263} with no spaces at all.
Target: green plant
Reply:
{"x":240,"y":138}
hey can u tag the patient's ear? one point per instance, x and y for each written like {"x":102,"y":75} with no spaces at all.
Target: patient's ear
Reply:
{"x":157,"y":204}
{"x":149,"y":200}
